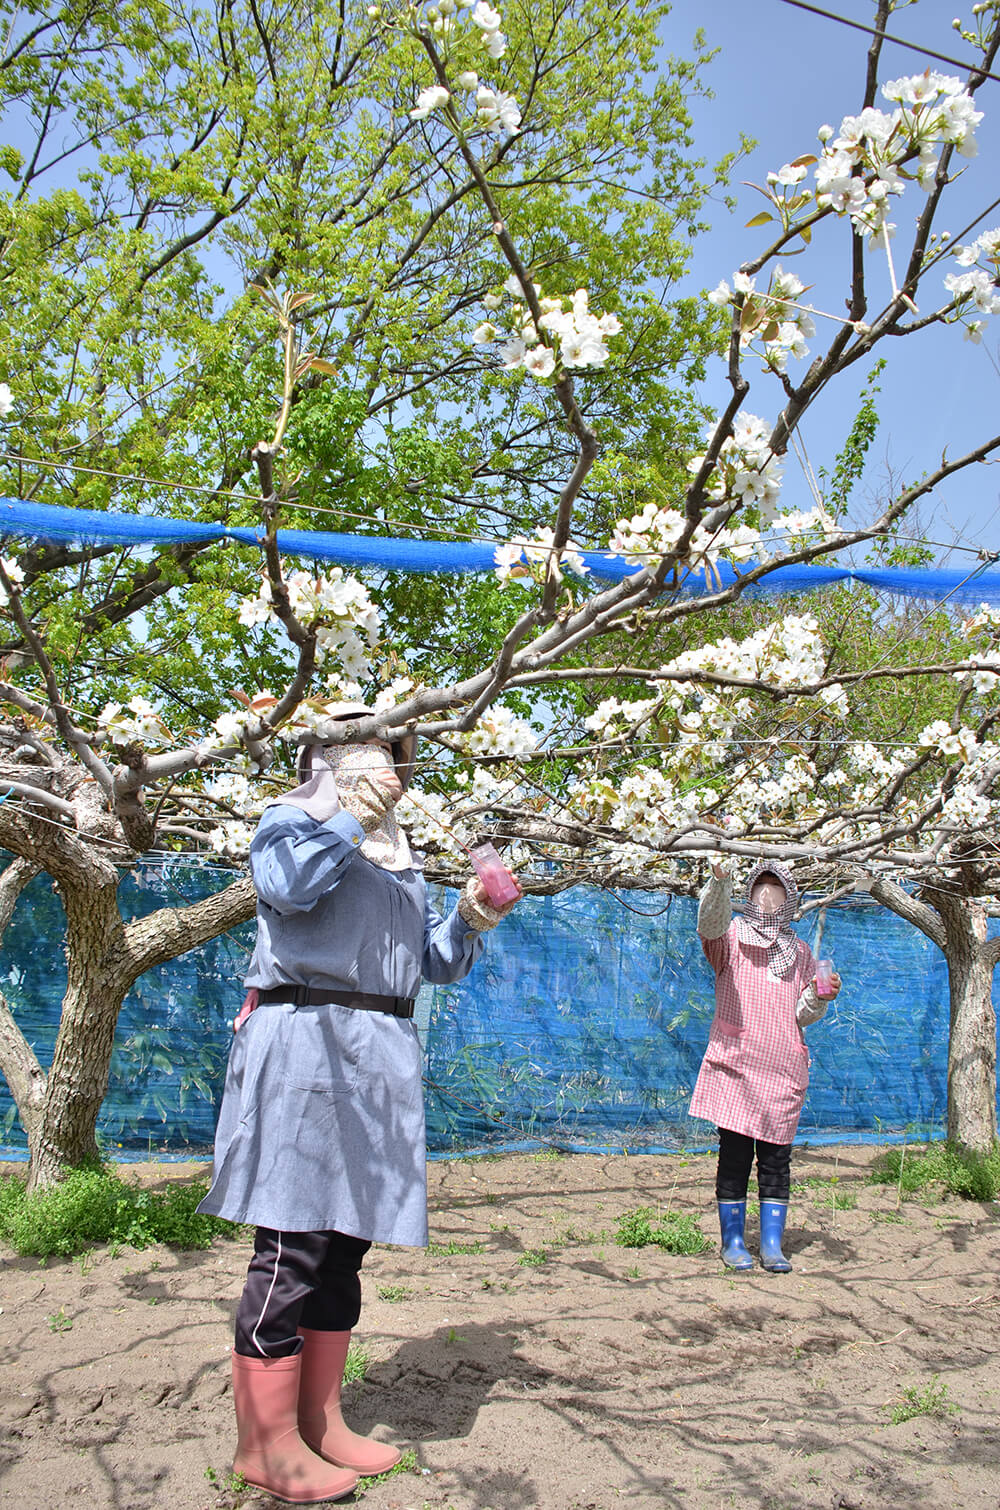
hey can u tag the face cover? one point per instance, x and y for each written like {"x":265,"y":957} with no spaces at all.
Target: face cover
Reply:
{"x":760,"y":928}
{"x":324,"y":768}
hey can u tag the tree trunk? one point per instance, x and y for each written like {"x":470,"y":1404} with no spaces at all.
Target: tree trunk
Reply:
{"x":77,"y":1080}
{"x":105,"y":957}
{"x":972,"y":1038}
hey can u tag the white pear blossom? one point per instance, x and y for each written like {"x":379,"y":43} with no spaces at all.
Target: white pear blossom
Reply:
{"x":137,"y":720}
{"x":497,"y":111}
{"x":434,"y":97}
{"x":517,"y":557}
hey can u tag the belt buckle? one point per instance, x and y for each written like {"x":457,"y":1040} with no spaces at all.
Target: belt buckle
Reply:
{"x":402,"y":1006}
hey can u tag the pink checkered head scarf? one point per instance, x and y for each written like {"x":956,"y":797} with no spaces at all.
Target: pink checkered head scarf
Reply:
{"x":772,"y":931}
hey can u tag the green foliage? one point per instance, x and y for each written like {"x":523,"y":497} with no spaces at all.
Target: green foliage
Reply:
{"x":94,"y":1206}
{"x":393,"y":1293}
{"x":976,"y":1177}
{"x":850,"y":461}
{"x":356,"y":1364}
{"x":452,"y":1247}
{"x":407,"y":1464}
{"x":674,"y":1231}
{"x":154,"y":178}
{"x":932,"y":1400}
{"x":533,"y":1258}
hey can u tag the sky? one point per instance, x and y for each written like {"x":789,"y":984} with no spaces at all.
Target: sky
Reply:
{"x":780,"y":74}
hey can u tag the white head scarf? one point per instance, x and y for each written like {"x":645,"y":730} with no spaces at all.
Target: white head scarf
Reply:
{"x":757,"y":929}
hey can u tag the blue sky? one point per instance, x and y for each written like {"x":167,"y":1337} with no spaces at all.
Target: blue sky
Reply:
{"x":780,"y":74}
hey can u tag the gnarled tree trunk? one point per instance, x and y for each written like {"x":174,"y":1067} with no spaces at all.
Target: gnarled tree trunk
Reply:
{"x":956,"y":923}
{"x":972,"y":1034}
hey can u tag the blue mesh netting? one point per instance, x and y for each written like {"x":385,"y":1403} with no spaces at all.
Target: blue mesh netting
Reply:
{"x":45,"y":521}
{"x":583,"y":1024}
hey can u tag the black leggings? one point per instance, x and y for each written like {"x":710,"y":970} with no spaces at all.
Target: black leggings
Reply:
{"x":310,"y":1279}
{"x":735,"y":1160}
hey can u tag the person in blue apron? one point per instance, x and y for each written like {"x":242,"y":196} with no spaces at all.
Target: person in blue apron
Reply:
{"x":320,"y":1143}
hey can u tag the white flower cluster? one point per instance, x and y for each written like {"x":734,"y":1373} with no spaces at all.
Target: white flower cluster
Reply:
{"x":773,"y":318}
{"x":654,"y":533}
{"x":527,"y":558}
{"x":137,"y":720}
{"x":495,"y":111}
{"x":787,"y":653}
{"x":979,"y":288}
{"x":499,"y":732}
{"x":231,"y":839}
{"x":339,"y":605}
{"x":939,"y":735}
{"x":862,"y":166}
{"x":611,"y":713}
{"x":16,"y":575}
{"x":582,"y":336}
{"x":747,"y":470}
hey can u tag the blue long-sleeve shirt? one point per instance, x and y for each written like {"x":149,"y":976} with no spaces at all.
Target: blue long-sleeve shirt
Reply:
{"x":326,"y":916}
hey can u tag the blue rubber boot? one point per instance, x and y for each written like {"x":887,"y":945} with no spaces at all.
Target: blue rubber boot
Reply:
{"x":772,"y":1230}
{"x":732,"y":1219}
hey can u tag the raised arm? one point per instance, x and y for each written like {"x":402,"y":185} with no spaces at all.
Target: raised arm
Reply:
{"x":294,"y":859}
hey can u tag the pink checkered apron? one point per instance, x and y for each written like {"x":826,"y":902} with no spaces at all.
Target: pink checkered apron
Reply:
{"x":755,"y":1072}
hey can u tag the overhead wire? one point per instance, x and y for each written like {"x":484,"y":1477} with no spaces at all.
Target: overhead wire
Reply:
{"x":874,"y":31}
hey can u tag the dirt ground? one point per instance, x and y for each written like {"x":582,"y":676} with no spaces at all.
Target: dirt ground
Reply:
{"x":535,"y":1365}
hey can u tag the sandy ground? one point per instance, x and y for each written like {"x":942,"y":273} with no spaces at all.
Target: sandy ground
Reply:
{"x":532,"y":1362}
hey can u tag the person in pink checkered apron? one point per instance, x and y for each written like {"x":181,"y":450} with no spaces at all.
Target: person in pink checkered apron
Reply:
{"x":755,"y":1072}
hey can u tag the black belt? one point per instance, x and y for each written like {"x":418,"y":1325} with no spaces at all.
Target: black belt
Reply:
{"x":321,"y":996}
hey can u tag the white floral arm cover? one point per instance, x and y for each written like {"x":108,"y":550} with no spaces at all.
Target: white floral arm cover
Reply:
{"x":811,"y":1007}
{"x":715,"y":909}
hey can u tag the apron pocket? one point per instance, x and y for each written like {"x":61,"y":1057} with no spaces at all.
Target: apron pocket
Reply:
{"x":323,"y":1050}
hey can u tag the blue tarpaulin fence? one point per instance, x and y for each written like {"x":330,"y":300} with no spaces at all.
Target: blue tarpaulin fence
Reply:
{"x":583,"y":1025}
{"x":966,"y":586}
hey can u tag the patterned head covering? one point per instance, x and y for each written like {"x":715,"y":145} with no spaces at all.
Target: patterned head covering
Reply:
{"x":772,"y":931}
{"x":322,"y":768}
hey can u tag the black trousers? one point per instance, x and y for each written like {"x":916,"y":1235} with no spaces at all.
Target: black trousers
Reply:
{"x":310,"y":1279}
{"x":774,"y":1161}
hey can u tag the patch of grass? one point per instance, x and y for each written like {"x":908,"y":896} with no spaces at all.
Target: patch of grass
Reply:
{"x":532,"y":1258}
{"x":393,"y":1293}
{"x":547,"y":1153}
{"x":829,"y":1192}
{"x":975,"y":1177}
{"x":94,"y":1206}
{"x":887,"y":1216}
{"x":446,"y":1250}
{"x":356,"y":1363}
{"x":406,"y":1464}
{"x":673,"y":1231}
{"x":932,"y":1400}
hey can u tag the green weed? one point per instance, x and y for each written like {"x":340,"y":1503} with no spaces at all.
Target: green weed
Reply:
{"x":440,"y":1250}
{"x":60,"y":1322}
{"x":393,"y":1293}
{"x":532,"y":1258}
{"x":976,"y":1177}
{"x":406,"y":1464}
{"x":829,"y":1192}
{"x":932,"y":1400}
{"x":356,"y":1364}
{"x":673,"y":1231}
{"x":94,"y":1206}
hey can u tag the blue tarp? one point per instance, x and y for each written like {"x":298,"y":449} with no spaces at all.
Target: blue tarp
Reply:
{"x":42,"y":521}
{"x":583,"y":1024}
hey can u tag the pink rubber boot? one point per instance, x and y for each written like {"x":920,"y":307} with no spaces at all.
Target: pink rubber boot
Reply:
{"x":270,"y":1454}
{"x":320,"y":1421}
